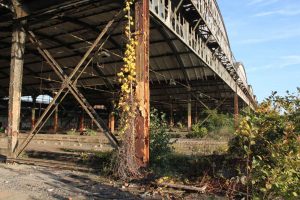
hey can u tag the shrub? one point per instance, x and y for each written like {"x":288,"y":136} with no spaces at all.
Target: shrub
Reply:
{"x":160,"y":144}
{"x":181,"y":126}
{"x":197,"y":131}
{"x":217,"y":121}
{"x":72,"y":132}
{"x":215,"y":126}
{"x":268,"y":142}
{"x":91,"y":132}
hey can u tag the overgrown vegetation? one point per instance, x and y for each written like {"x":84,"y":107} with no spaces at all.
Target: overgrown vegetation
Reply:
{"x":127,"y":164}
{"x":160,"y":140}
{"x":87,"y":132}
{"x":268,"y":141}
{"x":198,"y":131}
{"x":215,"y":125}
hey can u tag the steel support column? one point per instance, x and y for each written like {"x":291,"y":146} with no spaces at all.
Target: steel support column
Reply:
{"x":196,"y":113}
{"x":33,"y":112}
{"x":189,"y":113}
{"x":15,"y":85}
{"x":171,"y":115}
{"x":142,"y":77}
{"x":81,"y":123}
{"x":236,"y":110}
{"x":111,"y":122}
{"x":55,"y":120}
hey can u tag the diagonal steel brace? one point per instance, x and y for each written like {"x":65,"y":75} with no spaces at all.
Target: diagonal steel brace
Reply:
{"x":70,"y":85}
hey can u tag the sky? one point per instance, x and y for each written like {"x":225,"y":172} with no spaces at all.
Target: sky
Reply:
{"x":265,"y":36}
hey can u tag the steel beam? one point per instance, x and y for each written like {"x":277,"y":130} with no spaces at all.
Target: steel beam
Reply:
{"x":70,"y":85}
{"x":142,"y":77}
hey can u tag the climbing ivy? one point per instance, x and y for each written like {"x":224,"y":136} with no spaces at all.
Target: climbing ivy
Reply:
{"x":127,"y":75}
{"x":127,"y":166}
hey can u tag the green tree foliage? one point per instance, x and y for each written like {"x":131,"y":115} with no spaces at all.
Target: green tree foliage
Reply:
{"x":268,"y":140}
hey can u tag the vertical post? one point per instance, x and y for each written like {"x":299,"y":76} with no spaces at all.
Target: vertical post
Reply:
{"x":55,"y":120}
{"x":142,"y":78}
{"x":111,"y":122}
{"x":189,"y":125}
{"x":15,"y":84}
{"x":171,"y":115}
{"x":236,"y":109}
{"x":92,"y":124}
{"x":81,"y":123}
{"x":33,"y":112}
{"x":196,"y":113}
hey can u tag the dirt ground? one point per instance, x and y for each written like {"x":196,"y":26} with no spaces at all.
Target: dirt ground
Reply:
{"x":22,"y":182}
{"x":26,"y":182}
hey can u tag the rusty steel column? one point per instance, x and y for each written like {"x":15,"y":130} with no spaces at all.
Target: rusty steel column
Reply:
{"x":33,"y":112}
{"x":111,"y":122}
{"x":196,"y":113}
{"x":189,"y":113}
{"x":55,"y":120}
{"x":81,"y":123}
{"x":92,"y":124}
{"x":236,"y":109}
{"x":15,"y":84}
{"x":171,"y":115}
{"x":142,"y":77}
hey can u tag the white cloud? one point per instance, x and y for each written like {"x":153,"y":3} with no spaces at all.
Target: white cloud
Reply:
{"x":290,"y":60}
{"x":282,"y":62}
{"x":261,"y":2}
{"x":286,"y":34}
{"x":284,"y":12}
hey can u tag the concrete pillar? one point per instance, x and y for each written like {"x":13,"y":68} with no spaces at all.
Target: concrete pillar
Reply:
{"x":111,"y":122}
{"x":189,"y":113}
{"x":142,"y":77}
{"x":15,"y":85}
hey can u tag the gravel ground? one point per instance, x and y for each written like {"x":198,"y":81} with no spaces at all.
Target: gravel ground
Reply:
{"x":22,"y":182}
{"x":25,"y":182}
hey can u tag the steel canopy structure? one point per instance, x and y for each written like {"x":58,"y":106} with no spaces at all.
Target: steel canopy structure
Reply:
{"x":192,"y":67}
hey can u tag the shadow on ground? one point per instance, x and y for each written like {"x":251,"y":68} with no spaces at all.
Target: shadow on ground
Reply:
{"x":84,"y":187}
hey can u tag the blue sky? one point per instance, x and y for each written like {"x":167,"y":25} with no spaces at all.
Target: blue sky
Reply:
{"x":265,"y":36}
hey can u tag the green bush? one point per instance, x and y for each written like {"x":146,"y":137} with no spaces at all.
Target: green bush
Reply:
{"x":215,"y":126}
{"x":72,"y":132}
{"x":216,"y":121}
{"x":160,"y":144}
{"x":268,"y":142}
{"x":91,"y":132}
{"x":197,"y":131}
